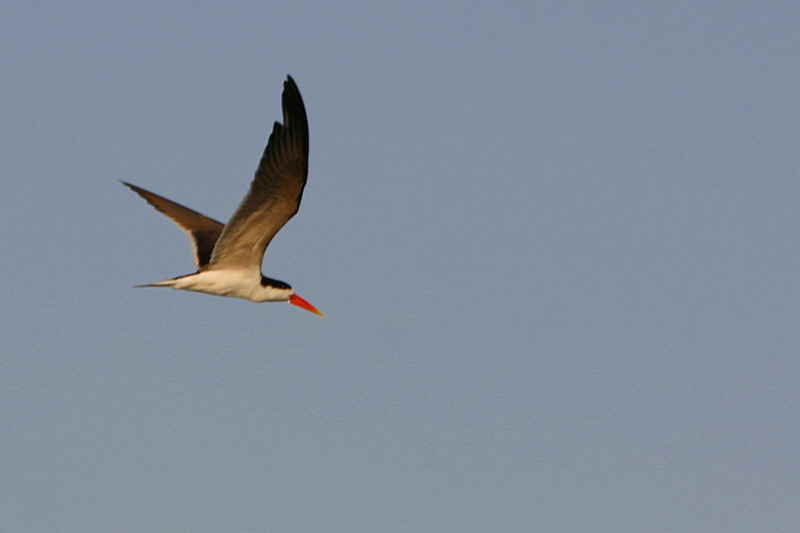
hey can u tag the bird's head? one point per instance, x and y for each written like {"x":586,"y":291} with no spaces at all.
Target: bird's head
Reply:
{"x":276,"y":290}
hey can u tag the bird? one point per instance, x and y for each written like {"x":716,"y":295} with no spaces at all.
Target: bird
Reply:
{"x":229,"y":256}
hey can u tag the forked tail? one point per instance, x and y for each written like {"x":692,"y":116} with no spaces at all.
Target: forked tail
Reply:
{"x":165,"y":283}
{"x":172,"y":282}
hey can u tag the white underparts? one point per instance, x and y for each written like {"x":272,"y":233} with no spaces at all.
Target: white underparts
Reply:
{"x":232,"y":283}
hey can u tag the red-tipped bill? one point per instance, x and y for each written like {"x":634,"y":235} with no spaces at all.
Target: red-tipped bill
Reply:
{"x":294,"y":299}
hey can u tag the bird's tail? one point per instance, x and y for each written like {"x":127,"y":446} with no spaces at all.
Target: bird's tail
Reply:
{"x":165,"y":283}
{"x":172,"y":282}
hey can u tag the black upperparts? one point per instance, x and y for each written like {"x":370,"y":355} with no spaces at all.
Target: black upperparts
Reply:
{"x":278,"y":284}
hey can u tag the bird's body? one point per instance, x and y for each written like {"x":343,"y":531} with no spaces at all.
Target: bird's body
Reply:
{"x":234,"y":283}
{"x":228,"y":256}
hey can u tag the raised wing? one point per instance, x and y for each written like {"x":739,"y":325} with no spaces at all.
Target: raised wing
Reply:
{"x":203,"y":232}
{"x":275,"y":192}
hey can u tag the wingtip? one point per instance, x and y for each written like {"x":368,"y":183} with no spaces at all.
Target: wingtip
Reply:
{"x":290,"y":84}
{"x":135,"y":188}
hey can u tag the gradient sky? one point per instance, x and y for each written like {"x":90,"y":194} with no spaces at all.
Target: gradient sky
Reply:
{"x":556,"y":243}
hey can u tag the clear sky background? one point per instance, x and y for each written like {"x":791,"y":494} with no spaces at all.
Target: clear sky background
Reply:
{"x":556,"y":242}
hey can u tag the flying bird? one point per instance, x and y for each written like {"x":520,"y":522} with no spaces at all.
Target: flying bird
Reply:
{"x":228,"y":256}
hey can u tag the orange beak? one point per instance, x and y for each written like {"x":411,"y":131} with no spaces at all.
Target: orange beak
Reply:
{"x":294,"y":299}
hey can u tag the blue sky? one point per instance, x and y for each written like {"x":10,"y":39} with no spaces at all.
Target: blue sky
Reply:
{"x":555,"y":241}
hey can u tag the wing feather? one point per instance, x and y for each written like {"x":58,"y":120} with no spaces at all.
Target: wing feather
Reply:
{"x":203,"y":231}
{"x":275,"y":192}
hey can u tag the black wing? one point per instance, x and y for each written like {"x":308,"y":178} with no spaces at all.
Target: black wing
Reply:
{"x":275,"y":192}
